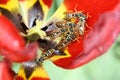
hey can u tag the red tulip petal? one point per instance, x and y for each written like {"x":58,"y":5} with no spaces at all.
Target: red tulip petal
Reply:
{"x":3,"y":1}
{"x":48,"y":2}
{"x":12,"y":45}
{"x":28,"y":53}
{"x":95,"y":8}
{"x":11,"y":39}
{"x":101,"y":38}
{"x":5,"y":73}
{"x":40,"y":79}
{"x":35,"y":78}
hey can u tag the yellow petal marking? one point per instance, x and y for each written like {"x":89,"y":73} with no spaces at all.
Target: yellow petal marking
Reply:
{"x":36,"y":29}
{"x":25,"y":6}
{"x":45,"y":10}
{"x":58,"y":15}
{"x":57,"y":57}
{"x":12,"y":5}
{"x":39,"y":72}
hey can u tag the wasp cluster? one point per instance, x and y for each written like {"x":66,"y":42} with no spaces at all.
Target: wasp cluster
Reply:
{"x":68,"y":30}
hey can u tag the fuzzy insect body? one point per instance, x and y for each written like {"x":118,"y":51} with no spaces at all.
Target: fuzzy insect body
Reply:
{"x":69,"y":30}
{"x":74,"y":15}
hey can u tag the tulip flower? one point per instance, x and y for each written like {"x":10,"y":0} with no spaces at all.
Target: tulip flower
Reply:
{"x":28,"y":17}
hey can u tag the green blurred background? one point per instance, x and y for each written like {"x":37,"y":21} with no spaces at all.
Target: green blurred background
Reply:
{"x":106,"y":67}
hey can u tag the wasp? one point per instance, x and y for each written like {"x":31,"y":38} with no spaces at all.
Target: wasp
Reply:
{"x":68,"y":31}
{"x":64,"y":24}
{"x":75,"y":15}
{"x":80,"y":17}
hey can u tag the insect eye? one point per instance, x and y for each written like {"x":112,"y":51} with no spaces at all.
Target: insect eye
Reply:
{"x":70,"y":24}
{"x":80,"y":14}
{"x":68,"y":15}
{"x":72,"y":15}
{"x":82,"y":20}
{"x":76,"y":15}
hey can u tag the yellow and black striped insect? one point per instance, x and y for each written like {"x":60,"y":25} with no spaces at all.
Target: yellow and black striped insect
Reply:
{"x":64,"y":24}
{"x":67,"y":30}
{"x":75,"y":15}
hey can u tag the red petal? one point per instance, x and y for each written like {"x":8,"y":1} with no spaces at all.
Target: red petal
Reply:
{"x":48,"y":2}
{"x":11,"y":39}
{"x":36,"y":78}
{"x":12,"y":45}
{"x":3,"y":1}
{"x":19,"y":78}
{"x":101,"y":38}
{"x":28,"y":53}
{"x":95,"y":8}
{"x":5,"y":73}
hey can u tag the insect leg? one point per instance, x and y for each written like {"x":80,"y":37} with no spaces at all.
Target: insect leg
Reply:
{"x":45,"y":56}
